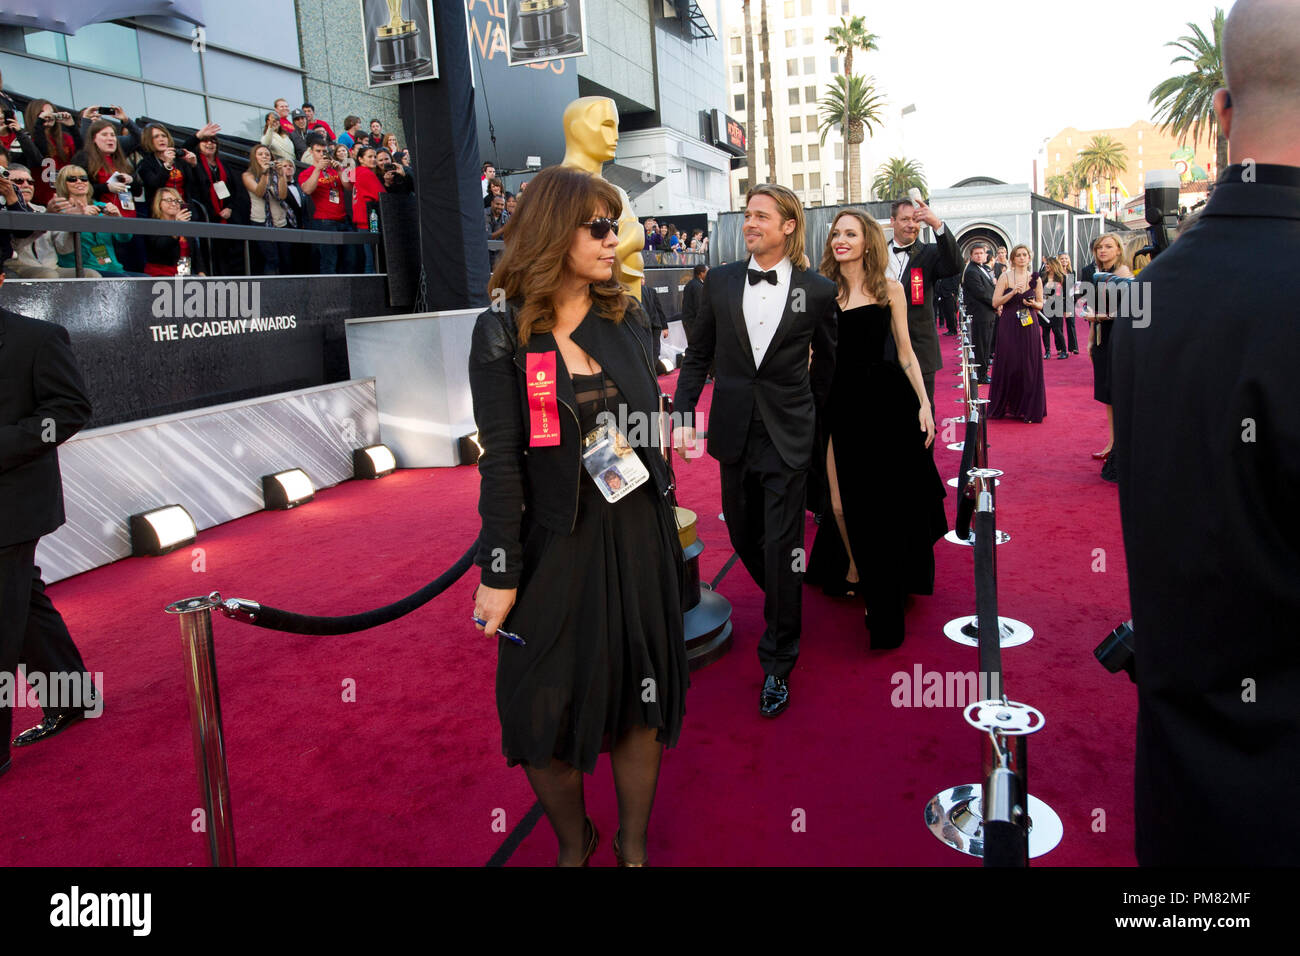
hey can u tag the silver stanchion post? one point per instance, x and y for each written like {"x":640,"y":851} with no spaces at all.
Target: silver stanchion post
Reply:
{"x":205,"y":719}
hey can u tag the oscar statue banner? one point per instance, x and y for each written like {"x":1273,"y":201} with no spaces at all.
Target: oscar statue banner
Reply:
{"x":540,"y":30}
{"x":399,"y":41}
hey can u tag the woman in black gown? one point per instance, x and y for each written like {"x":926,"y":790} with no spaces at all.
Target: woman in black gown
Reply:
{"x":1109,"y":257}
{"x":886,"y":495}
{"x":1018,"y":390}
{"x":592,"y":585}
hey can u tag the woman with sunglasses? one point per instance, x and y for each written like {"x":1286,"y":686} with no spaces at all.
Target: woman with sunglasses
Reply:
{"x":366,"y":187}
{"x":588,"y":577}
{"x":73,"y":188}
{"x":172,"y":255}
{"x":56,"y":136}
{"x":112,"y":175}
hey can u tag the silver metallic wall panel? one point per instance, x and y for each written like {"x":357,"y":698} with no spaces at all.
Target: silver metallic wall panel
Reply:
{"x":211,"y":461}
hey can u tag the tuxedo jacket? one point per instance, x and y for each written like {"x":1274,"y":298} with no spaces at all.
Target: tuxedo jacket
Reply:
{"x":1208,"y":454}
{"x":977,"y":288}
{"x":691,"y":295}
{"x":42,"y":404}
{"x":783,"y":387}
{"x":936,"y":260}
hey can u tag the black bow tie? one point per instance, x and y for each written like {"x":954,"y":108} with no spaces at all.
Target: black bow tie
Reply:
{"x":907,"y":248}
{"x":755,"y":277}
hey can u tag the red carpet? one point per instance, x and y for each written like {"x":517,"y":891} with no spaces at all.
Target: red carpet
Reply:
{"x":411,"y":772}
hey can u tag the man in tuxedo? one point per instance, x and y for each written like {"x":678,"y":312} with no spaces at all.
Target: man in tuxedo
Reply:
{"x":756,"y":322}
{"x":1000,"y":266}
{"x":42,"y":405}
{"x":917,"y":265}
{"x":692,"y":293}
{"x":977,"y":285}
{"x":1208,"y":511}
{"x":945,"y":303}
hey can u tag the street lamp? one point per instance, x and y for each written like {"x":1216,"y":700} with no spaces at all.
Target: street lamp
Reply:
{"x":1114,"y":201}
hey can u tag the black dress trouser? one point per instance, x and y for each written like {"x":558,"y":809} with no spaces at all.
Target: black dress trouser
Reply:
{"x":31,"y":629}
{"x":763,"y":500}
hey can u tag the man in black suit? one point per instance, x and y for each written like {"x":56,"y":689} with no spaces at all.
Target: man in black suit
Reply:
{"x":692,"y":293}
{"x":977,"y":285}
{"x":1208,"y":508}
{"x":917,"y":265}
{"x":42,"y":405}
{"x":945,"y":303}
{"x":757,"y":320}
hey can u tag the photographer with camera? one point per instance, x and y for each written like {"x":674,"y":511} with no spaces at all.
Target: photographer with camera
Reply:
{"x":323,"y":182}
{"x":1205,"y":397}
{"x":164,"y":164}
{"x":393,"y":175}
{"x":57,"y":136}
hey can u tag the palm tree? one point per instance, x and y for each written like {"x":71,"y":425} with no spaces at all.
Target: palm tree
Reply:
{"x":897,"y":176}
{"x":852,"y":102}
{"x":852,"y":34}
{"x":767,"y":97}
{"x":1185,"y":104}
{"x":1102,"y":158}
{"x":1058,"y":186}
{"x":751,"y":109}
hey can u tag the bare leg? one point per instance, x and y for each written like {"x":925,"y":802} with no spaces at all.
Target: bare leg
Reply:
{"x":837,"y":508}
{"x":635,"y":759}
{"x":559,"y":790}
{"x":1110,"y":427}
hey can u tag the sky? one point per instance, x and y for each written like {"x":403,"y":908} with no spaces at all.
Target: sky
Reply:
{"x":992,"y":80}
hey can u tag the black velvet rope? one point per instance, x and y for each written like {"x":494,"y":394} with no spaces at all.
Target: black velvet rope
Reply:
{"x":965,"y":498}
{"x":275,"y":619}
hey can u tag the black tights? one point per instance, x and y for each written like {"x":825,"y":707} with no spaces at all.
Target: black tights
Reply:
{"x":559,"y":788}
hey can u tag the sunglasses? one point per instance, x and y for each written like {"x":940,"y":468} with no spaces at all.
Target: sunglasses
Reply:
{"x":21,"y":182}
{"x":78,"y":179}
{"x":600,"y":228}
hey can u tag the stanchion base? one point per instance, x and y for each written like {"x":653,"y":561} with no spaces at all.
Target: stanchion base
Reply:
{"x":708,"y":629}
{"x":963,"y":630}
{"x":1001,"y":538}
{"x":952,"y":482}
{"x":721,"y":516}
{"x":957,"y":446}
{"x":956,"y":817}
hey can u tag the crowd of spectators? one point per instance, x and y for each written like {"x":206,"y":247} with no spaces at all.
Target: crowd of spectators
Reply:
{"x":99,"y":162}
{"x":671,"y":244}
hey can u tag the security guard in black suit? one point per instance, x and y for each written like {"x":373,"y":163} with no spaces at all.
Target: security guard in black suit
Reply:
{"x":42,"y":404}
{"x":1206,"y":397}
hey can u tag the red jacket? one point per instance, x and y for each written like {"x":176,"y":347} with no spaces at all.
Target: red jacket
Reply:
{"x":365,"y":188}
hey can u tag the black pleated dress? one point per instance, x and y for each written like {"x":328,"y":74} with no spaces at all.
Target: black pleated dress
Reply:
{"x":601,"y":611}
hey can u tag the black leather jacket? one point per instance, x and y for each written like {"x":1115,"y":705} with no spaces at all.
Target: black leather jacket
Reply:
{"x":520,"y":484}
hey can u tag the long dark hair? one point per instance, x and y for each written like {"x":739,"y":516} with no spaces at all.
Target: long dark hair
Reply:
{"x":57,"y":147}
{"x":875,"y":251}
{"x":537,"y":241}
{"x":95,"y":158}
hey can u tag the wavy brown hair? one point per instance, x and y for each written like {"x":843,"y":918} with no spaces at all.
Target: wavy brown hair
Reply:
{"x":537,"y":242}
{"x":95,"y":159}
{"x":146,"y":139}
{"x":51,"y":136}
{"x":875,"y":251}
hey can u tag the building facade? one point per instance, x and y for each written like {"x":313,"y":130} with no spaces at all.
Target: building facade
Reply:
{"x":1145,"y":147}
{"x":802,"y":66}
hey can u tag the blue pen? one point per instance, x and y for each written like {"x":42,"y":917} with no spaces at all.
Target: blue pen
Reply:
{"x":514,"y":638}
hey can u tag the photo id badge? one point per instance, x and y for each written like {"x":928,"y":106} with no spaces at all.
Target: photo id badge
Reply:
{"x":611,"y":462}
{"x":221,"y":189}
{"x":1025,"y":316}
{"x":126,"y":201}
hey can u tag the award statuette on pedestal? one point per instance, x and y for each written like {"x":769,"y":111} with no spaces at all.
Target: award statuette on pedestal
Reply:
{"x":544,"y":30}
{"x":398,"y":47}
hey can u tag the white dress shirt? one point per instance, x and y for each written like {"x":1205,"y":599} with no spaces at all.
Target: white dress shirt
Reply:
{"x":898,"y":260}
{"x":763,"y":305}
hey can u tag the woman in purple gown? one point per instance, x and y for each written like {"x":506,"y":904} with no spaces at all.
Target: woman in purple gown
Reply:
{"x":1017,"y":390}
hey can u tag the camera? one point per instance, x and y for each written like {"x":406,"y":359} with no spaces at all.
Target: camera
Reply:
{"x":8,"y":115}
{"x":1117,"y":652}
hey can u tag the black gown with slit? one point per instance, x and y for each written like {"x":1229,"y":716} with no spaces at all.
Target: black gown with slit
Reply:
{"x":601,"y":611}
{"x":890,"y":491}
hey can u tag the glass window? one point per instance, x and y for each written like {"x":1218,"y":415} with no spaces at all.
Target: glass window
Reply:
{"x":794,"y":124}
{"x":736,"y":45}
{"x":812,"y":122}
{"x":169,"y":61}
{"x":764,"y":70}
{"x":46,"y":43}
{"x":810,"y":94}
{"x":839,"y":179}
{"x":743,"y":187}
{"x":807,"y":36}
{"x":237,"y":119}
{"x":107,"y":46}
{"x":1139,"y":135}
{"x":767,"y":103}
{"x":844,"y":6}
{"x":798,"y":182}
{"x":796,"y":154}
{"x":174,"y":108}
{"x":789,"y":9}
{"x":738,"y":74}
{"x":740,"y":102}
{"x":269,"y":29}
{"x":235,"y":78}
{"x":1139,"y":164}
{"x":814,"y":153}
{"x":839,"y":153}
{"x":767,"y":129}
{"x":35,"y":78}
{"x":789,"y":38}
{"x":794,"y":96}
{"x":791,"y":67}
{"x":96,"y":89}
{"x":807,"y":8}
{"x":835,"y":64}
{"x":814,"y":180}
{"x":1139,"y":150}
{"x":809,"y":65}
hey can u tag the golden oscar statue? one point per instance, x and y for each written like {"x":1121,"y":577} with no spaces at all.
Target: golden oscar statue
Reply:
{"x":590,"y":141}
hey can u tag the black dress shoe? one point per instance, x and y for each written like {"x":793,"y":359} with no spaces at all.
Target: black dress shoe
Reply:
{"x":1063,"y":355}
{"x":775,"y":697}
{"x":52,"y":724}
